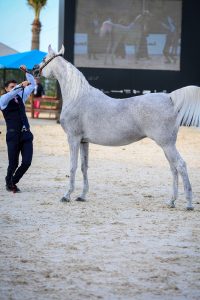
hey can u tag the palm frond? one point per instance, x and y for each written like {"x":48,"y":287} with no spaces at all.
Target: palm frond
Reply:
{"x":37,"y":5}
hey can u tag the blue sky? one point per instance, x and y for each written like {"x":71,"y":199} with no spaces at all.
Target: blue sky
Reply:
{"x":16,"y":18}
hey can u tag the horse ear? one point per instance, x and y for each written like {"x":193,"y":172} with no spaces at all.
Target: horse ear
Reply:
{"x":50,"y":50}
{"x":62,"y":50}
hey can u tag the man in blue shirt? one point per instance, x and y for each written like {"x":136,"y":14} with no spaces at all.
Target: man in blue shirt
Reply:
{"x":19,"y":138}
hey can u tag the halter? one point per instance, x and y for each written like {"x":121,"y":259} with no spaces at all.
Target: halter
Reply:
{"x":48,"y":61}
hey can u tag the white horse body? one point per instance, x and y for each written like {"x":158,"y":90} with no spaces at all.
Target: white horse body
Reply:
{"x":89,"y":116}
{"x":121,"y":121}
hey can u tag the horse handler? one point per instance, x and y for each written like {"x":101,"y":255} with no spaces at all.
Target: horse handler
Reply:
{"x":19,"y":138}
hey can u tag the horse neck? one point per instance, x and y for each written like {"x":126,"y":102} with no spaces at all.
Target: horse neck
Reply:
{"x":139,"y":20}
{"x":72,"y":82}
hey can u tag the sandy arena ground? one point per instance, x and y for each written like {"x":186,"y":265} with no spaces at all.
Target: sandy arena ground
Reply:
{"x":155,"y":62}
{"x":122,"y":244}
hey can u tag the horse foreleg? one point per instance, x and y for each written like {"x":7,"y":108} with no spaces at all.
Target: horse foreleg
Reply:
{"x":84,"y":167}
{"x":137,"y":46}
{"x":179,"y":166}
{"x":74,"y":145}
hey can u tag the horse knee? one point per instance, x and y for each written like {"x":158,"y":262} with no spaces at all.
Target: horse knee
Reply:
{"x":73,"y":170}
{"x":84,"y":167}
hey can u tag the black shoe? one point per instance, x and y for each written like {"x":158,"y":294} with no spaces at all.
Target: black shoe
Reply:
{"x":9,"y":188}
{"x":12,"y":188}
{"x":16,"y":189}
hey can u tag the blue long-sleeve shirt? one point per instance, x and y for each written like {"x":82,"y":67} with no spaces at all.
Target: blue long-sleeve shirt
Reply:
{"x":17,"y":90}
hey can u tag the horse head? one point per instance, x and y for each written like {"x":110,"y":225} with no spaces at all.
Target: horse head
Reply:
{"x":143,"y":18}
{"x":45,"y":68}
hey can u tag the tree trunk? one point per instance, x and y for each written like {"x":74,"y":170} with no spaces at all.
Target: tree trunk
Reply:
{"x":36,"y":28}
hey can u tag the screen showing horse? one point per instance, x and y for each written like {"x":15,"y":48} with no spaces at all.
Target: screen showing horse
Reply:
{"x":128,"y":34}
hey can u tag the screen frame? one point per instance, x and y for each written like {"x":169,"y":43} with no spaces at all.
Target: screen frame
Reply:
{"x":126,"y":82}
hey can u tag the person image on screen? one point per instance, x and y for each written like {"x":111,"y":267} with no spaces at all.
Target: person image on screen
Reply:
{"x":93,"y":36}
{"x":170,"y":28}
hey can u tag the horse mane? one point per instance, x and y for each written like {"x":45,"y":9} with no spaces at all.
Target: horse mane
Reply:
{"x":77,"y":82}
{"x":187,"y":105}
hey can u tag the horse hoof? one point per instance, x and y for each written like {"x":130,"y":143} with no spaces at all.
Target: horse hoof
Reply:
{"x":171,"y":204}
{"x":80,"y":199}
{"x":64,"y":199}
{"x":189,"y":208}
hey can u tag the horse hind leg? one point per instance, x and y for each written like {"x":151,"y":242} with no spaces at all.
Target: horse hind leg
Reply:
{"x":84,"y":167}
{"x":107,"y":53}
{"x":178,"y":166}
{"x":174,"y":196}
{"x":182,"y":169}
{"x":174,"y":171}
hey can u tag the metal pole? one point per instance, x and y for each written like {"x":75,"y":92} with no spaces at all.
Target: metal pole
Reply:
{"x":4,"y":76}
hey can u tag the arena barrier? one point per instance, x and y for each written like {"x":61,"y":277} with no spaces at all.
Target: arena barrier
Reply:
{"x":43,"y":107}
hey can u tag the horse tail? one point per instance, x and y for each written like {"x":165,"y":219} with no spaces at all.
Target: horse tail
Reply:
{"x":187,"y":105}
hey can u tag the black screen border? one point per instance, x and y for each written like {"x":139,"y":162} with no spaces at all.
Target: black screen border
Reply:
{"x":125,"y":81}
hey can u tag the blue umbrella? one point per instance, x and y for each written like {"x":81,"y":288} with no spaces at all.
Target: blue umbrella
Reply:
{"x":29,"y":58}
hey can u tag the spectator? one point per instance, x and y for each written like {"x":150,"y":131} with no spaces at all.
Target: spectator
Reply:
{"x":93,"y":36}
{"x":170,"y":29}
{"x":38,"y":90}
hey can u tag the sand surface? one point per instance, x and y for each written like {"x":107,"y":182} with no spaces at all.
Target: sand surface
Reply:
{"x":155,"y":62}
{"x":123,"y":243}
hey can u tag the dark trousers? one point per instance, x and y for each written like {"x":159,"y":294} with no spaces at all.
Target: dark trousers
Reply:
{"x":167,"y":46}
{"x":18,"y":142}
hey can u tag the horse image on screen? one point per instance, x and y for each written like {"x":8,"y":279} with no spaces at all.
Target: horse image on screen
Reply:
{"x":129,"y":34}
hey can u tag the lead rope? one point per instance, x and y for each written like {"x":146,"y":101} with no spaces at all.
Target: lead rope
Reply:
{"x":24,"y":121}
{"x":48,"y":61}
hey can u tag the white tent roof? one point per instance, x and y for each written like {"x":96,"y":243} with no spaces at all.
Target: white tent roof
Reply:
{"x":6,"y":50}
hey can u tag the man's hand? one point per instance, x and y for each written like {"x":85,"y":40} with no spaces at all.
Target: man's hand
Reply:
{"x":23,"y":68}
{"x":24,"y":83}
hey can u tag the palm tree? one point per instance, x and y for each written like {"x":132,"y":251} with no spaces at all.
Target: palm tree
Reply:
{"x":37,"y":5}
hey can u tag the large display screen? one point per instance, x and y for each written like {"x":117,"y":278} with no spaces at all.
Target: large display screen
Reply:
{"x":128,"y":34}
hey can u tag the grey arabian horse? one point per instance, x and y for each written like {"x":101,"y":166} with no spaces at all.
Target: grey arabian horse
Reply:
{"x":90,"y":116}
{"x":118,"y":33}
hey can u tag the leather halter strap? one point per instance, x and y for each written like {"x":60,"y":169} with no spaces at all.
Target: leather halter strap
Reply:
{"x":48,"y":61}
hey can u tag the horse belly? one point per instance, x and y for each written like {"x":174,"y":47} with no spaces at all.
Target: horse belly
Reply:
{"x":113,"y":136}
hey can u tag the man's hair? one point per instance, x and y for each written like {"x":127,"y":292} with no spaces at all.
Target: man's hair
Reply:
{"x":8,"y":82}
